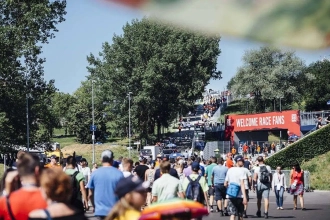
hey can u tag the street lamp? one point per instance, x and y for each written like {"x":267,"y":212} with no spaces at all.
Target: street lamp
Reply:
{"x":27,"y":115}
{"x":129,"y":124}
{"x":93,"y":122}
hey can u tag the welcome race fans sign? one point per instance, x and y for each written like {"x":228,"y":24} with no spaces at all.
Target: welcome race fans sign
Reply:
{"x":288,"y":120}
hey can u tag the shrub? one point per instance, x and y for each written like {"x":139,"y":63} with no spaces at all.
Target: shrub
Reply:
{"x":305,"y":149}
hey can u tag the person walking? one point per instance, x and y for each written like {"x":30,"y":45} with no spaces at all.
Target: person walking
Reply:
{"x":149,"y":177}
{"x":201,"y":183}
{"x":132,"y":194}
{"x":166,"y":187}
{"x":18,"y":204}
{"x":262,"y":178}
{"x":297,"y":186}
{"x":57,"y":188}
{"x":208,"y":175}
{"x":140,"y":170}
{"x":236,"y":193}
{"x":279,"y":186}
{"x":247,"y":181}
{"x":102,"y":185}
{"x":80,"y":200}
{"x":219,"y":173}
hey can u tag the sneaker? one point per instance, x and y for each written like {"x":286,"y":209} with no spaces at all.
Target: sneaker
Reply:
{"x":266,"y":215}
{"x":211,"y":209}
{"x":244,"y":214}
{"x":278,"y":208}
{"x":258,"y":214}
{"x":221,"y":213}
{"x":281,"y":208}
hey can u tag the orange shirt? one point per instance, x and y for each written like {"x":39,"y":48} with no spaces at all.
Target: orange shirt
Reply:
{"x":229,"y":163}
{"x":22,"y":202}
{"x":245,"y":148}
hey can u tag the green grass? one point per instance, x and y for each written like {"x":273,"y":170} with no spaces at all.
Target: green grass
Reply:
{"x":86,"y":150}
{"x":319,"y":169}
{"x":235,"y":107}
{"x":65,"y":141}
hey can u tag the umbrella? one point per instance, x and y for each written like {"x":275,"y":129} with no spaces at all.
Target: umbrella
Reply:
{"x":178,"y":208}
{"x":175,"y":155}
{"x":171,"y":145}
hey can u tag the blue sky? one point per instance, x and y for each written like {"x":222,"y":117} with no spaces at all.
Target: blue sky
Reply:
{"x":90,"y":23}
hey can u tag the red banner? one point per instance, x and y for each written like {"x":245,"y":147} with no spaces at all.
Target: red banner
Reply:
{"x":289,"y":120}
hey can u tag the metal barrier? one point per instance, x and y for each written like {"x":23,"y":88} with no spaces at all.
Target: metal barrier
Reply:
{"x":210,"y":147}
{"x":307,"y":179}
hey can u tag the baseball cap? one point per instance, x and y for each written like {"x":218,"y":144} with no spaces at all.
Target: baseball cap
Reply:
{"x":107,"y":153}
{"x":159,"y":156}
{"x":129,"y":184}
{"x":195,"y":166}
{"x":239,"y":158}
{"x":53,"y":156}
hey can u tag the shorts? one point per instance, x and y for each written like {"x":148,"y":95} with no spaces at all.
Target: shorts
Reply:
{"x":211,"y":191}
{"x":235,"y":206}
{"x":220,"y":192}
{"x":149,"y":189}
{"x":247,"y":195}
{"x":263,"y":191}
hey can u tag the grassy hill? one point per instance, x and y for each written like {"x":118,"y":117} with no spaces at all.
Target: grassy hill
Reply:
{"x":319,"y":169}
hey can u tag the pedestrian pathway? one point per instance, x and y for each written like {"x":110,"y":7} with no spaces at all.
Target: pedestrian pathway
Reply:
{"x":316,"y":204}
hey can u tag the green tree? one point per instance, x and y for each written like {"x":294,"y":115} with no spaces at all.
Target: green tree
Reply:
{"x":165,"y":68}
{"x":61,"y":103}
{"x":24,"y":27}
{"x":318,"y":92}
{"x":79,"y":117}
{"x":268,"y":75}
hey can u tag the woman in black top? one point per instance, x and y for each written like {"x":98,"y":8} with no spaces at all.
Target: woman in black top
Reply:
{"x":57,"y":188}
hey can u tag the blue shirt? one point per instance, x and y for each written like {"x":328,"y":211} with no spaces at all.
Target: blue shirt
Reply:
{"x":202,"y":170}
{"x":219,"y":174}
{"x":104,"y":181}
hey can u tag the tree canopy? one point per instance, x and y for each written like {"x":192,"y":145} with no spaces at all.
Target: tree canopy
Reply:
{"x":24,"y":27}
{"x":269,"y":74}
{"x":318,"y":92}
{"x":165,"y":68}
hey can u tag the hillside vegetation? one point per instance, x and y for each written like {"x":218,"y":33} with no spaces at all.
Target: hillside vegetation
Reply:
{"x":303,"y":150}
{"x":319,"y":169}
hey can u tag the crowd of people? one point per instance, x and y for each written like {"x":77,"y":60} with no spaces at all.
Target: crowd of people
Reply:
{"x":120,"y":189}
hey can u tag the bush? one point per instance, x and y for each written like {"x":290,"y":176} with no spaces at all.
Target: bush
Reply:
{"x":305,"y":149}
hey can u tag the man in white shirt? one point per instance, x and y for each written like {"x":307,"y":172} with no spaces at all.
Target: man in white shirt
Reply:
{"x":86,"y":171}
{"x":263,"y":178}
{"x":235,"y":180}
{"x":247,"y":182}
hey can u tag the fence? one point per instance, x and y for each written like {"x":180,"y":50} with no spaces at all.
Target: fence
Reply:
{"x":210,"y":147}
{"x":310,"y":118}
{"x":307,"y":179}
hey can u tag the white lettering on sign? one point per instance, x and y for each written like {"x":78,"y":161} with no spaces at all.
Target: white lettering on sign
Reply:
{"x":293,"y":118}
{"x":247,"y":122}
{"x":278,"y":120}
{"x":264,"y":121}
{"x":261,"y":121}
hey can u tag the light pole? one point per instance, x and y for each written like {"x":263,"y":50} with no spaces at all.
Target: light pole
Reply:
{"x":27,"y":115}
{"x":129,"y":124}
{"x":93,"y":122}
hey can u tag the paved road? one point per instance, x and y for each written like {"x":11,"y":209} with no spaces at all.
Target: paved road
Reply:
{"x":316,"y":203}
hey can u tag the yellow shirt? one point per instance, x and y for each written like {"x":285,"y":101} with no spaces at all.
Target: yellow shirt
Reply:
{"x":130,"y":214}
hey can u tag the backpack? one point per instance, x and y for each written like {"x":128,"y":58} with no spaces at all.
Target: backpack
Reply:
{"x":75,"y":189}
{"x":194,"y":190}
{"x":264,"y":175}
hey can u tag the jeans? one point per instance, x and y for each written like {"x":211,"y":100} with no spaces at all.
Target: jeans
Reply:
{"x":279,"y":196}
